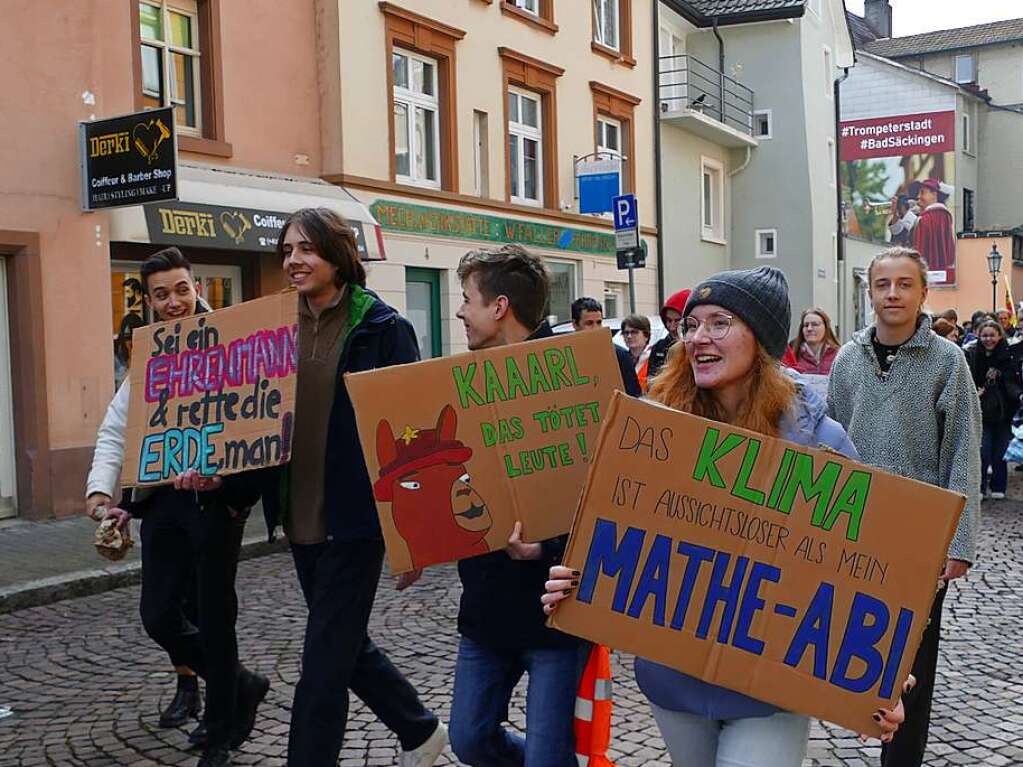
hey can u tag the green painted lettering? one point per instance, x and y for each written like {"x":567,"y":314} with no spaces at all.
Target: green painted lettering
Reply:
{"x":537,"y":376}
{"x":492,"y":382}
{"x":780,"y":478}
{"x":577,"y":379}
{"x":852,"y":500}
{"x":516,"y":383}
{"x":463,"y":385}
{"x":821,"y":487}
{"x":711,"y":452}
{"x":741,"y":488}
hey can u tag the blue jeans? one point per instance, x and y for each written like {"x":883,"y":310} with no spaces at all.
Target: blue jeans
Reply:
{"x":484,"y":680}
{"x":764,"y":741}
{"x":993,"y":445}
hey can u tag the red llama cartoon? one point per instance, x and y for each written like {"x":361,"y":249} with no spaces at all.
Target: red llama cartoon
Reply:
{"x":424,"y":477}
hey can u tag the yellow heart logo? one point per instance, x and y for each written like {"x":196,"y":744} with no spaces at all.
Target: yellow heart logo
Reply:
{"x":148,"y":136}
{"x":235,"y":224}
{"x":704,"y":293}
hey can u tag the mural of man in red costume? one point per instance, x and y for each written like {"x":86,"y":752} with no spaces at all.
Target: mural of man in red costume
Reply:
{"x":424,"y":478}
{"x":934,"y":234}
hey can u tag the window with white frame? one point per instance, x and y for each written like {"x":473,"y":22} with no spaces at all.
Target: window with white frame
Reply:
{"x":169,"y":32}
{"x":762,"y":124}
{"x":967,"y":134}
{"x":525,"y":146}
{"x":530,"y":6}
{"x":712,"y":200}
{"x":564,"y":289}
{"x":610,"y":142}
{"x":416,"y":119}
{"x":606,"y":26}
{"x":829,"y":74}
{"x":481,"y":154}
{"x":965,"y":69}
{"x":767,"y":243}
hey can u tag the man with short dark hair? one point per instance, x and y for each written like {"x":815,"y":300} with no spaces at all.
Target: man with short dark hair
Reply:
{"x":588,"y":314}
{"x":500,"y":618}
{"x":325,"y":500}
{"x":191,"y":539}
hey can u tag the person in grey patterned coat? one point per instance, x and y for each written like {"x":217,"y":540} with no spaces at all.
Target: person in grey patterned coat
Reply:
{"x":907,"y":400}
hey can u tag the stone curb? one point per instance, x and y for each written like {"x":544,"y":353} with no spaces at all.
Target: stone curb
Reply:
{"x":46,"y":591}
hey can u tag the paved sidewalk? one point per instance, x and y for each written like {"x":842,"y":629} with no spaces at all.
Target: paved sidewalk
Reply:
{"x":45,"y":562}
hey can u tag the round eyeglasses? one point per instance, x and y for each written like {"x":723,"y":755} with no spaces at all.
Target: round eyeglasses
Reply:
{"x":716,"y":326}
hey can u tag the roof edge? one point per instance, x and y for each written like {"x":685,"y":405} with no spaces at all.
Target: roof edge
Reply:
{"x":699,"y":19}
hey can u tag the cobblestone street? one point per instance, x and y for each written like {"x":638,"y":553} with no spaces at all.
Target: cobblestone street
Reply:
{"x":85,"y":684}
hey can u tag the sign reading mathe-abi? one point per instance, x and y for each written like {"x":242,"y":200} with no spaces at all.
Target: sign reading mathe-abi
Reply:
{"x":789,"y":574}
{"x":462,"y":447}
{"x":213,"y":392}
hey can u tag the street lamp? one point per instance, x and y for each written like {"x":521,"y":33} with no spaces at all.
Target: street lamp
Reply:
{"x":994,"y":266}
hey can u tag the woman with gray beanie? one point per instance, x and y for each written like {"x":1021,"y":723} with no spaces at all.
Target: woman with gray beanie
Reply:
{"x":734,"y":330}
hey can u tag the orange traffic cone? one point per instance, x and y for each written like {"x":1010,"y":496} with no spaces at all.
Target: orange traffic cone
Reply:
{"x":593,"y":711}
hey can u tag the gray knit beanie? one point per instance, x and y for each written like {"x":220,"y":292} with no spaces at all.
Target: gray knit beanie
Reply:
{"x":760,"y":297}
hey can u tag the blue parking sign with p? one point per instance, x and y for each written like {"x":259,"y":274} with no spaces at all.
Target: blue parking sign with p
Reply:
{"x":625,"y":211}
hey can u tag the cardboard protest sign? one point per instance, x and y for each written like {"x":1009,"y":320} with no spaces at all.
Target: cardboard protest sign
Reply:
{"x":792,"y":575}
{"x":459,"y":448}
{"x":213,"y":392}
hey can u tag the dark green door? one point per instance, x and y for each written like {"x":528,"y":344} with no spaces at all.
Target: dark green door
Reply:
{"x":422,"y":302}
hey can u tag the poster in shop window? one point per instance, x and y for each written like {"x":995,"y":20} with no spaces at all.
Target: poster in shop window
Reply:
{"x":789,"y":574}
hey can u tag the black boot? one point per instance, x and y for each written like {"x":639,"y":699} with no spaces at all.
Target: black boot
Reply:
{"x":218,"y":756}
{"x":185,"y":705}
{"x":199,"y":736}
{"x":252,"y":688}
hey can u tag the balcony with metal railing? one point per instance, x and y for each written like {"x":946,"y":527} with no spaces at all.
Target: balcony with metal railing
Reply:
{"x":696,"y":97}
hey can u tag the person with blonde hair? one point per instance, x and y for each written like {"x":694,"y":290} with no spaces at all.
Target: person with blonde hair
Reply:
{"x":734,"y":330}
{"x":908,"y":401}
{"x":815,"y":346}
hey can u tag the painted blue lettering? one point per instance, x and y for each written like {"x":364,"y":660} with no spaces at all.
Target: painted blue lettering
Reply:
{"x":814,"y":630}
{"x":654,"y":580}
{"x":697,"y":556}
{"x":751,"y":605}
{"x":613,"y":559}
{"x":149,"y":456}
{"x":719,"y":591}
{"x":898,"y":647}
{"x":859,"y":642}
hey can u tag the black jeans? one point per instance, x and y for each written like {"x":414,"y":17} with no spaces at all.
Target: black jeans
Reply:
{"x":910,"y":742}
{"x":339,"y":582}
{"x":191,"y":554}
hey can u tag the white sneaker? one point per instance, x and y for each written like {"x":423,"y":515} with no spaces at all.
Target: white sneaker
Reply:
{"x":997,"y":496}
{"x":426,"y":754}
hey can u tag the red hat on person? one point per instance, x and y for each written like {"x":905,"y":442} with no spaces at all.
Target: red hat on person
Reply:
{"x":933,"y":184}
{"x":677,"y":302}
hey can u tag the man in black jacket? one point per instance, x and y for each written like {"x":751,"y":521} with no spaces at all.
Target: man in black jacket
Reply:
{"x":500,"y":618}
{"x":325,"y":499}
{"x":588,"y":314}
{"x":191,"y":538}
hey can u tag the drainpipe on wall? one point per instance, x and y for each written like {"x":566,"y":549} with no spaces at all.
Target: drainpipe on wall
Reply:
{"x":656,"y":103}
{"x":840,"y":235}
{"x":721,"y":70}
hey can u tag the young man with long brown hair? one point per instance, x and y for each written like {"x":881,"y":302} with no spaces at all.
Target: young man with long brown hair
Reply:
{"x":324,"y":499}
{"x":907,"y":399}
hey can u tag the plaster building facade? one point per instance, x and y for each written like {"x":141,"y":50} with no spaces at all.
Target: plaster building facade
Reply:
{"x":459,"y":123}
{"x":971,"y":75}
{"x":748,"y":141}
{"x":249,"y":152}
